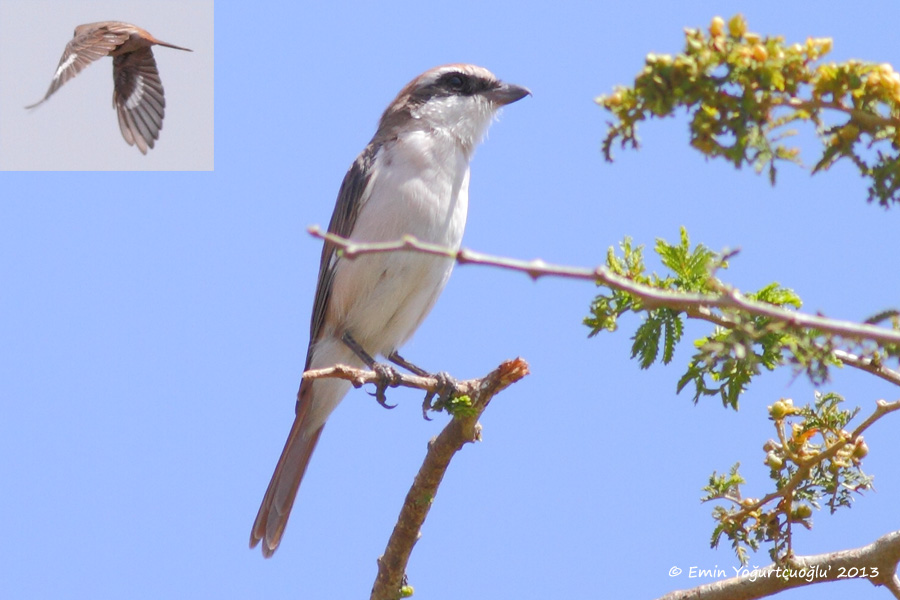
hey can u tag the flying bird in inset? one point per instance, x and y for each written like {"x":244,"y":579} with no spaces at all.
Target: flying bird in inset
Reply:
{"x":138,"y":91}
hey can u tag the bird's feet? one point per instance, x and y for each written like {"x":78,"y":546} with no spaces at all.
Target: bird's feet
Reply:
{"x":447,"y":388}
{"x":387,"y":377}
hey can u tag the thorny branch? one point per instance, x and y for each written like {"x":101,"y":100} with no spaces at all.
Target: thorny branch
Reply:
{"x":464,"y":428}
{"x":695,"y":305}
{"x":869,"y":365}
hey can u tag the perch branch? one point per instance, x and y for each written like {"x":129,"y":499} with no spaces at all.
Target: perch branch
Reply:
{"x":730,"y":298}
{"x":461,"y":430}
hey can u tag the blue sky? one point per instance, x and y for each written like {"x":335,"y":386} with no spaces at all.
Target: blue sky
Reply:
{"x":154,"y":324}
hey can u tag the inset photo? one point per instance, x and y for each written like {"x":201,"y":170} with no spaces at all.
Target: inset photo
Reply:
{"x":61,"y":111}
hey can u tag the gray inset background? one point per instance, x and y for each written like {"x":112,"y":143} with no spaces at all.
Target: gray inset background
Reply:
{"x":77,"y":128}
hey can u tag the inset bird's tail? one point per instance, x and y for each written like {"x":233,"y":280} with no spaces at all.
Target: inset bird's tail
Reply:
{"x":168,"y":45}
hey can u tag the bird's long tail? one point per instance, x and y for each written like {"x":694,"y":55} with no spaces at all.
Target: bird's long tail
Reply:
{"x":276,"y":505}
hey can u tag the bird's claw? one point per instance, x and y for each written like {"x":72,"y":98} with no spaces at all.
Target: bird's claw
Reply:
{"x":387,"y":377}
{"x":426,"y":405}
{"x":446,"y":389}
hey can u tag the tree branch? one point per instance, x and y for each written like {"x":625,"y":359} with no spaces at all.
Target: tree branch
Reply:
{"x":804,"y":467}
{"x":876,"y":562}
{"x":360,"y":377}
{"x":869,"y":365}
{"x":869,"y":118}
{"x":462,"y":429}
{"x":730,"y":298}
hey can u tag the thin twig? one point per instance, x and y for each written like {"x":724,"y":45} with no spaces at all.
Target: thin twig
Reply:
{"x":875,"y":121}
{"x":360,"y":377}
{"x":869,"y":365}
{"x":729,"y":298}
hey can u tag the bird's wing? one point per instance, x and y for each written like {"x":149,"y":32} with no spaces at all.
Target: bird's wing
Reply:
{"x":138,"y":97}
{"x":351,"y":197}
{"x":82,"y":50}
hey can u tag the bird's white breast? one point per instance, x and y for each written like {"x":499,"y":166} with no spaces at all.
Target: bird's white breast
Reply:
{"x":419,"y":187}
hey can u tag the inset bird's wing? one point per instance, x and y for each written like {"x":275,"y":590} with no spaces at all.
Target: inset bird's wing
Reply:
{"x":138,"y":98}
{"x":81,"y":51}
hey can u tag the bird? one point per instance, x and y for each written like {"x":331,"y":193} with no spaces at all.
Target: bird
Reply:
{"x":138,"y":92}
{"x":411,"y":179}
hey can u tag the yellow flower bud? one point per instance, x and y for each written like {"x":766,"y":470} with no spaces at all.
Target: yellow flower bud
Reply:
{"x":861,"y":449}
{"x":873,"y":80}
{"x":781,"y":408}
{"x":774,"y":461}
{"x":737,"y":26}
{"x":759,"y":53}
{"x":893,"y":81}
{"x":614,"y":100}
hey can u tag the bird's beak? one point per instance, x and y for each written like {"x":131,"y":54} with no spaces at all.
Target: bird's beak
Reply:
{"x":507,"y":93}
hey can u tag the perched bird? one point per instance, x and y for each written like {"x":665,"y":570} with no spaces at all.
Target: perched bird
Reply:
{"x":412,"y":179}
{"x":138,"y":92}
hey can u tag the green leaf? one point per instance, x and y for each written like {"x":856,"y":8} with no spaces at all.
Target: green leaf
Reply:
{"x":690,"y":267}
{"x":674,"y":329}
{"x":777,"y":295}
{"x":646,"y":341}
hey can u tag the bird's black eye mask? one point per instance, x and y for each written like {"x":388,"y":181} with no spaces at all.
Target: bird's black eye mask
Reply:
{"x":454,"y":83}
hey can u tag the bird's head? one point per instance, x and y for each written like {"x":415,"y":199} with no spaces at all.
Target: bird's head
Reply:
{"x":457,"y":100}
